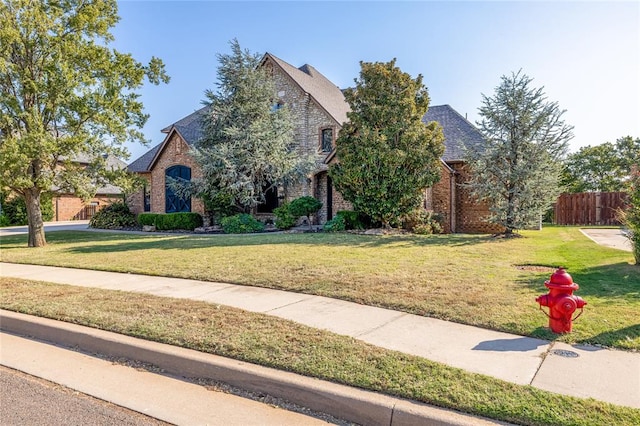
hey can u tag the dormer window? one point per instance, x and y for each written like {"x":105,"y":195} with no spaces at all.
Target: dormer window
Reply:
{"x":326,"y":139}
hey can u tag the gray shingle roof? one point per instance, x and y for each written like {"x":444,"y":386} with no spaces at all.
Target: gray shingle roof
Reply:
{"x":458,"y":131}
{"x":327,"y":94}
{"x":142,"y":163}
{"x":190,"y":127}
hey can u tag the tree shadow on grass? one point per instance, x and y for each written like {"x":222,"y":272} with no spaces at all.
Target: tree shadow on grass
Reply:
{"x":607,"y":281}
{"x":120,"y":242}
{"x":614,"y":338}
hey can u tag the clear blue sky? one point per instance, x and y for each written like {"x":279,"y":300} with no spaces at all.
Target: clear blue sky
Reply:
{"x":586,"y":55}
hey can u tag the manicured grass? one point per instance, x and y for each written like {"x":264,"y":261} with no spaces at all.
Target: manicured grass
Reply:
{"x":471,"y":279}
{"x":285,"y":345}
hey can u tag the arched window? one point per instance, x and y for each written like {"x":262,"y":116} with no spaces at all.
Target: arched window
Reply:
{"x":173,"y":202}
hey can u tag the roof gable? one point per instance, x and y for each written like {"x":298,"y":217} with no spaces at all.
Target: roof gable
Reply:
{"x":326,"y":94}
{"x":142,"y":163}
{"x":190,"y":127}
{"x":459,"y":133}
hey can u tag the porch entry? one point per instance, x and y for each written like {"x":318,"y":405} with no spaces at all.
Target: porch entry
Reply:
{"x":324,"y":193}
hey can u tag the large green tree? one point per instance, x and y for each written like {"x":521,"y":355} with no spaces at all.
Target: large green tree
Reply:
{"x":64,"y":93}
{"x":604,"y":167}
{"x":386,"y":155}
{"x":248,"y":146}
{"x":517,"y":169}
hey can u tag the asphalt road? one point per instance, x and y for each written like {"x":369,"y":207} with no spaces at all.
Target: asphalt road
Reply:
{"x":26,"y":400}
{"x":76,"y":225}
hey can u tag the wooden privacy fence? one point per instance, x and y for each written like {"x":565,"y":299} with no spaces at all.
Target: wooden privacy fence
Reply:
{"x":86,"y":213}
{"x":589,"y":208}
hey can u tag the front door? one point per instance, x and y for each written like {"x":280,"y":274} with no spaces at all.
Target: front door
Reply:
{"x":173,"y":203}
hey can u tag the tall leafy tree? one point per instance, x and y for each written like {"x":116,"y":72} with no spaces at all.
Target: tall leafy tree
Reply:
{"x":517,"y":170}
{"x":386,"y":155}
{"x":604,"y":167}
{"x":248,"y":146}
{"x":628,"y":154}
{"x":63,"y":93}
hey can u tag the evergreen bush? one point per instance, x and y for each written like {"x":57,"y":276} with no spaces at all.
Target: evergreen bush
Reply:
{"x":353,"y":219}
{"x":337,"y":224}
{"x":284,"y":218}
{"x":242,"y":223}
{"x":181,"y":220}
{"x":423,"y":222}
{"x":304,"y":206}
{"x":147,"y":219}
{"x":114,"y":216}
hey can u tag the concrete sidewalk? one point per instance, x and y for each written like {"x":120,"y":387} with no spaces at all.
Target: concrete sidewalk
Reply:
{"x":68,"y":225}
{"x":608,"y":237}
{"x":582,"y":371}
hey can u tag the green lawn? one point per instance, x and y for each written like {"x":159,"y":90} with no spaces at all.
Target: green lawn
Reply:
{"x":471,"y":279}
{"x":285,"y":345}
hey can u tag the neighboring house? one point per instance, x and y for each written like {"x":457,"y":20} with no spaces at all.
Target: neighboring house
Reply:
{"x":318,"y":109}
{"x":67,"y":206}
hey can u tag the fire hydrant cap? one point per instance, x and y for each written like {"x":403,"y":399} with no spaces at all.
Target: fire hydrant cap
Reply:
{"x":561,"y":277}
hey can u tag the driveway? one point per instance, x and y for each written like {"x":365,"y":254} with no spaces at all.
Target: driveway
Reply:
{"x":613,"y":238}
{"x":72,"y":225}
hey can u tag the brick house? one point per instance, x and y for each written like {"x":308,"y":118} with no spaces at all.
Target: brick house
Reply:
{"x":318,"y":109}
{"x":68,"y":206}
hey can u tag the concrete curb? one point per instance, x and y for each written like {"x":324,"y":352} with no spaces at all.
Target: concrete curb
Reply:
{"x":352,"y":404}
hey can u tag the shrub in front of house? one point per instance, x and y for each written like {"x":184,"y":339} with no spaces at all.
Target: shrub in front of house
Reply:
{"x":304,"y":206}
{"x":337,"y":224}
{"x":113,"y":216}
{"x":242,"y":223}
{"x":284,"y":217}
{"x":174,"y":221}
{"x":147,"y":219}
{"x":352,"y":219}
{"x":345,"y":220}
{"x":422,"y":222}
{"x":288,"y":213}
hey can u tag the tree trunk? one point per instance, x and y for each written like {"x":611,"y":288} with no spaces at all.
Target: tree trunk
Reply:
{"x":34,"y":215}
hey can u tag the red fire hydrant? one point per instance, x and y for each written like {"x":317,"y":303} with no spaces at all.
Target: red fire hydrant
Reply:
{"x":561,"y":301}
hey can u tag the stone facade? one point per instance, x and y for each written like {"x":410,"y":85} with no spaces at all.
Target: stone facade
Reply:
{"x":332,"y":201}
{"x":310,"y":119}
